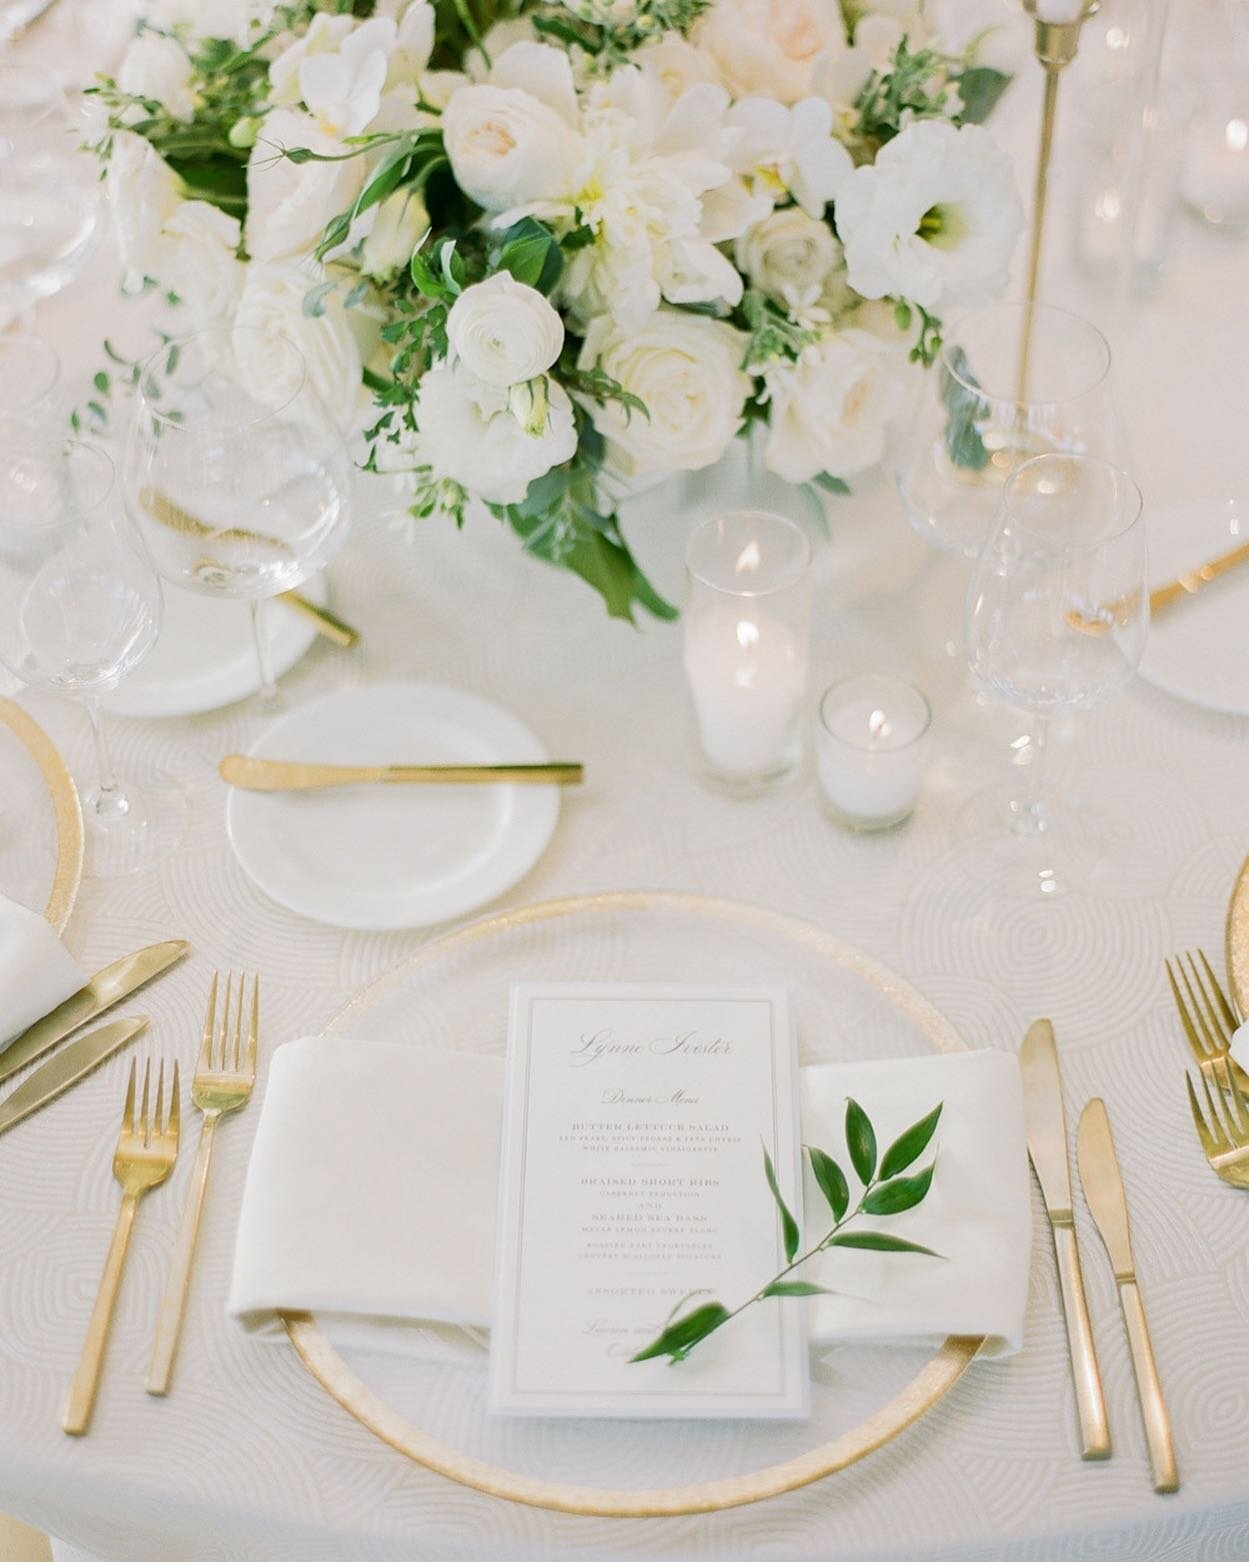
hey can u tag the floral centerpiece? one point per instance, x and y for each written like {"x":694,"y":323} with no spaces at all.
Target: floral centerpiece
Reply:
{"x":533,"y":253}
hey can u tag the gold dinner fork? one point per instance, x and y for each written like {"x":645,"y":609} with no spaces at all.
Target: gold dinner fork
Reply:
{"x":1223,"y":1128}
{"x":147,"y":1148}
{"x":1208,"y":1019}
{"x":222,"y":1084}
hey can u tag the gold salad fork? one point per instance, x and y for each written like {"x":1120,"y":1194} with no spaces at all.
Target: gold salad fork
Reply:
{"x":1223,"y":1128}
{"x":1208,"y":1019}
{"x":147,"y":1148}
{"x":222,"y":1084}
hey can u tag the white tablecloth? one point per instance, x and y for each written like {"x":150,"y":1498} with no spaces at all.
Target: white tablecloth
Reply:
{"x":249,"y":1461}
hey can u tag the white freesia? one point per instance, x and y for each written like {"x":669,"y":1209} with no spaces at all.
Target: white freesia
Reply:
{"x":272,"y":302}
{"x":686,"y":369}
{"x":414,"y":43}
{"x":790,"y":151}
{"x":200,"y":263}
{"x":504,"y":332}
{"x":770,"y":46}
{"x":324,"y":36}
{"x":143,"y":193}
{"x":467,"y":434}
{"x":789,"y":255}
{"x":158,"y":68}
{"x":934,"y":219}
{"x":830,"y":411}
{"x":342,"y":87}
{"x":397,"y":226}
{"x":289,"y":204}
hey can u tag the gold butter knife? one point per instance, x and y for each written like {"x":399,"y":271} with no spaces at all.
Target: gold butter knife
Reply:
{"x":282,"y":775}
{"x":75,"y":1062}
{"x":1046,"y":1123}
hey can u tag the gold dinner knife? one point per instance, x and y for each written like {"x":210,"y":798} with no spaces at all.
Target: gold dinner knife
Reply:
{"x":1046,"y":1123}
{"x":75,"y":1062}
{"x":1103,"y":1189}
{"x":282,"y":775}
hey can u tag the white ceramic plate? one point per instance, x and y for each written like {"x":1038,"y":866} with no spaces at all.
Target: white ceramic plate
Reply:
{"x":394,"y":856}
{"x":205,"y":657}
{"x":1198,"y":650}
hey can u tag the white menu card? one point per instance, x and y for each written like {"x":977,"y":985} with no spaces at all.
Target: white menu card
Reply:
{"x":632,"y":1178}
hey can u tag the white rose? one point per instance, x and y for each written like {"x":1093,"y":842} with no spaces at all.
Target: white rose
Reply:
{"x":504,"y":332}
{"x":686,"y":369}
{"x":830,"y":412}
{"x":788,"y":254}
{"x":398,"y":225}
{"x":157,"y":67}
{"x":934,"y":219}
{"x":508,"y":147}
{"x":272,"y":301}
{"x":289,"y":204}
{"x":200,"y":262}
{"x":143,"y":193}
{"x":770,"y":46}
{"x":467,"y":434}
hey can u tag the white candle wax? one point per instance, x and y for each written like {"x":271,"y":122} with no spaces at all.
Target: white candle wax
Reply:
{"x":871,"y":758}
{"x":1059,"y":12}
{"x":746,"y":673}
{"x":1216,"y":169}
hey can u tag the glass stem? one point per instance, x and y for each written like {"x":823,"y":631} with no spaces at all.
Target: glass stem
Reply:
{"x":268,"y":691}
{"x":1028,"y":813}
{"x":108,"y":800}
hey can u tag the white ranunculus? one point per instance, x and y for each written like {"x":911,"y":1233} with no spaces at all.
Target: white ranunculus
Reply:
{"x":770,"y":46}
{"x":398,"y":225}
{"x":157,"y":67}
{"x":934,"y":219}
{"x":508,"y":147}
{"x":686,"y":369}
{"x":788,"y":254}
{"x":324,"y":36}
{"x":342,"y":87}
{"x":289,"y":204}
{"x":830,"y":412}
{"x":143,"y":193}
{"x":272,"y":301}
{"x":200,"y":263}
{"x":503,"y":332}
{"x":790,"y":151}
{"x":467,"y":434}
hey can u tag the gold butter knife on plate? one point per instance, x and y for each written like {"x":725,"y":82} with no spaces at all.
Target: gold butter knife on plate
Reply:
{"x":67,"y":1068}
{"x":1103,"y":1189}
{"x":1046,"y":1122}
{"x":106,"y":987}
{"x":283,"y":775}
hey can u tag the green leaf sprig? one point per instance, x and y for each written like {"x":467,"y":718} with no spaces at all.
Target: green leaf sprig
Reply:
{"x":885,"y":1191}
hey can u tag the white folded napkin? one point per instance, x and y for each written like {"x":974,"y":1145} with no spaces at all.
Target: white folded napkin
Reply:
{"x":1240,"y":1046}
{"x":36,"y":971}
{"x":370,"y":1198}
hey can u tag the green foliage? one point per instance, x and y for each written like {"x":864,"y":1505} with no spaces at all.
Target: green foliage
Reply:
{"x":980,"y":87}
{"x":963,"y":406}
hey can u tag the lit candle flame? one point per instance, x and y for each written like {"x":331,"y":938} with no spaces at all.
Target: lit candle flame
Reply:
{"x":749,"y":559}
{"x":1236,"y":134}
{"x":879,"y":726}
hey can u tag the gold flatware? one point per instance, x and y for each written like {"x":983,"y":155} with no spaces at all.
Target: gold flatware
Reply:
{"x":70,"y":1065}
{"x":1113,"y":614}
{"x":282,"y":775}
{"x":1207,"y":1017}
{"x":1104,"y":1192}
{"x":222,"y":1084}
{"x":147,"y":1148}
{"x":163,"y":509}
{"x":1223,"y":1128}
{"x":1046,"y":1122}
{"x":116,"y":981}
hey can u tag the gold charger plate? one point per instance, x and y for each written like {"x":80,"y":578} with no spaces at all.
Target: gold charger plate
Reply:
{"x":1237,"y":951}
{"x":407,"y":996}
{"x":66,"y":809}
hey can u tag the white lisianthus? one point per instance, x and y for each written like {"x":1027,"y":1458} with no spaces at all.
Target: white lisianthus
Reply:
{"x":830,"y":411}
{"x":158,"y":68}
{"x":200,"y":263}
{"x":272,"y":301}
{"x":398,"y":225}
{"x":468,"y":434}
{"x":324,"y":35}
{"x":289,"y":204}
{"x":770,"y":46}
{"x":686,"y":369}
{"x":934,"y":219}
{"x":504,"y":332}
{"x":790,"y":151}
{"x":788,"y":254}
{"x":342,"y":87}
{"x":143,"y":193}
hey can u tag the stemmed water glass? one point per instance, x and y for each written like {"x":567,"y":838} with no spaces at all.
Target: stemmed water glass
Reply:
{"x":237,"y":476}
{"x":1056,"y":619}
{"x":80,"y":607}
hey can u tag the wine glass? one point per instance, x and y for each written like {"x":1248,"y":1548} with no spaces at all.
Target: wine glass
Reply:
{"x":29,"y":375}
{"x":80,"y":607}
{"x":237,"y":476}
{"x":1057,"y":614}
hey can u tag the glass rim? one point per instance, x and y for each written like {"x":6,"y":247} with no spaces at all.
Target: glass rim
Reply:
{"x":841,"y":684}
{"x":180,"y":343}
{"x":67,"y":450}
{"x":771,"y":516}
{"x":1038,"y":310}
{"x":1131,"y":488}
{"x":28,"y":339}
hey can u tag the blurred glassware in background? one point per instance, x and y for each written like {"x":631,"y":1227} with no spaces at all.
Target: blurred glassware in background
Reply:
{"x":1213,"y":46}
{"x":30,"y":373}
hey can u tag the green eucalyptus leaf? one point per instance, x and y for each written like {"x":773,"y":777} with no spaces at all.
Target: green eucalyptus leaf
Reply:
{"x":860,"y":1141}
{"x":831,"y":1181}
{"x":910,"y":1144}
{"x":878,"y":1242}
{"x":795,"y":1288}
{"x":901,"y":1193}
{"x":958,"y":390}
{"x":831,"y":484}
{"x":679,"y":1338}
{"x":789,"y":1226}
{"x":980,"y":87}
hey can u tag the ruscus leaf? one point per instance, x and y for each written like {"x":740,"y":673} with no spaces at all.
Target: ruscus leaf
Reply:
{"x":910,"y":1144}
{"x":789,"y":1226}
{"x":878,"y":1242}
{"x":679,"y":1338}
{"x":901,"y":1193}
{"x":795,"y":1288}
{"x":860,"y":1141}
{"x":831,"y":1181}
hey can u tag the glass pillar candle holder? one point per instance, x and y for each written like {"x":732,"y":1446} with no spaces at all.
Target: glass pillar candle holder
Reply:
{"x":872,"y":746}
{"x":747,"y":624}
